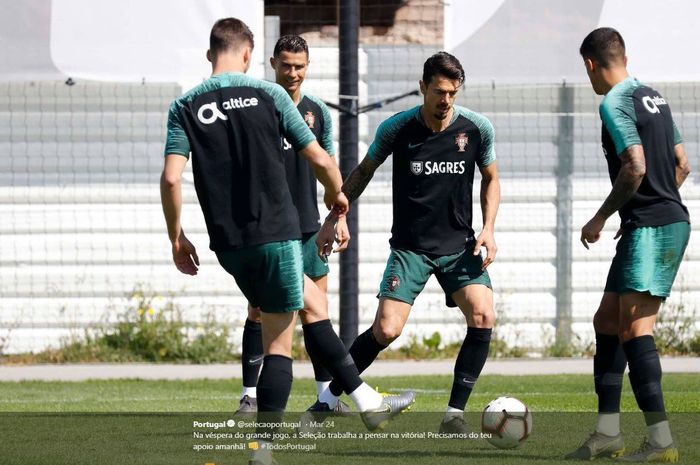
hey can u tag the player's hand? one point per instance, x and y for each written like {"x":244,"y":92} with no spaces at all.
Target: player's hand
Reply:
{"x":342,"y":235}
{"x":331,"y":198}
{"x":185,"y":255}
{"x":324,"y":239}
{"x":331,"y":233}
{"x":340,"y":205}
{"x":590,"y":232}
{"x":487,"y":240}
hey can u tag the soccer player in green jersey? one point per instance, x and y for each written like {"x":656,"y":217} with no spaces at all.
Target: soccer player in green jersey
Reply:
{"x":290,"y":61}
{"x":647,"y":165}
{"x":232,"y":125}
{"x":436,"y":148}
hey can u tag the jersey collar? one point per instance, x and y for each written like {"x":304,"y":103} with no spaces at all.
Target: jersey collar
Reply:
{"x":419,"y":117}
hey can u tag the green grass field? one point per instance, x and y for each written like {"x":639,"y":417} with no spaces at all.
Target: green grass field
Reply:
{"x":561,"y":393}
{"x":150,"y":422}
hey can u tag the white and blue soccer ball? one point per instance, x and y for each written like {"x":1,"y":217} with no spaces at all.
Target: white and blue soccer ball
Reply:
{"x":506,"y":422}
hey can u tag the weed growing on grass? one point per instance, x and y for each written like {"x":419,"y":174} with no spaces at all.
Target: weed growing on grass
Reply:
{"x":675,"y":332}
{"x":149,"y":329}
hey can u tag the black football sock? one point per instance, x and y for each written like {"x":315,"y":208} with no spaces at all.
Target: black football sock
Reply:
{"x":609,"y":364}
{"x":471,"y":359}
{"x":645,"y":377}
{"x":274,"y":386}
{"x":364,"y":351}
{"x":251,"y":352}
{"x":320,"y":372}
{"x":321,"y":340}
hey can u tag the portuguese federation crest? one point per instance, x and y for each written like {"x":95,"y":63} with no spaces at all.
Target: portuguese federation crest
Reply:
{"x":310,"y":119}
{"x":416,"y":167}
{"x":394,"y":282}
{"x":461,"y":141}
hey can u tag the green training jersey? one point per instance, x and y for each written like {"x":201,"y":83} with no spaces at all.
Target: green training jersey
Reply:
{"x":300,"y":176}
{"x":232,"y":124}
{"x":634,"y":114}
{"x":432,"y":179}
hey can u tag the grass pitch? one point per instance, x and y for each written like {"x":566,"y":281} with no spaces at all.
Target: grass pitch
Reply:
{"x":151,"y":422}
{"x":560,"y":393}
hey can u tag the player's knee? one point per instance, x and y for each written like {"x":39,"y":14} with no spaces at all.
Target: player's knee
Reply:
{"x":313,"y":314}
{"x":483,"y":317}
{"x":629,"y":329}
{"x":602,"y":323}
{"x":254,"y":314}
{"x":627,"y":333}
{"x":387,"y":331}
{"x":306,"y":317}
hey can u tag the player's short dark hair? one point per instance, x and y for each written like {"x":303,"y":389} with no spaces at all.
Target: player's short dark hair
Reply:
{"x":292,"y":44}
{"x":229,"y":34}
{"x":604,"y":45}
{"x":444,"y":64}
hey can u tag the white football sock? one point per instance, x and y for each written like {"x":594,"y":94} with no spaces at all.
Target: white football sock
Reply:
{"x":366,"y":398}
{"x":328,"y":397}
{"x":452,"y":412}
{"x":321,"y":386}
{"x":660,"y":434}
{"x":608,"y":424}
{"x":249,"y":391}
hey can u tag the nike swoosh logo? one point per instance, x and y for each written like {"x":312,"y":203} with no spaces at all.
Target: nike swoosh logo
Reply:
{"x":255,"y":361}
{"x":413,"y":146}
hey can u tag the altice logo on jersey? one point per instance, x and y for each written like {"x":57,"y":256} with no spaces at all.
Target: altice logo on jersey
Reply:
{"x":652,"y":103}
{"x":438,"y":167}
{"x":208,"y":113}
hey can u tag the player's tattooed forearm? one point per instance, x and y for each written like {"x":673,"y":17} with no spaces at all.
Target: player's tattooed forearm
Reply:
{"x":681,"y":175}
{"x":623,"y":190}
{"x":627,"y":182}
{"x":356,"y":183}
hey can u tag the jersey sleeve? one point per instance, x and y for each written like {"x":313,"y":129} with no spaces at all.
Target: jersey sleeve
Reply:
{"x":294,"y":128}
{"x":176,"y":141}
{"x":677,"y":139}
{"x":327,"y":137}
{"x":487,"y":150}
{"x":619,"y":118}
{"x":382,"y":145}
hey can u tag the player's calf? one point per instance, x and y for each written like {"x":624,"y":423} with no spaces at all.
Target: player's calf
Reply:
{"x":363,"y":351}
{"x":470,"y":361}
{"x":251,"y":361}
{"x":645,"y":378}
{"x":609,"y":365}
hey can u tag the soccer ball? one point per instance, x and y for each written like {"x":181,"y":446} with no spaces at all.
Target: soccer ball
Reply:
{"x":506,"y":422}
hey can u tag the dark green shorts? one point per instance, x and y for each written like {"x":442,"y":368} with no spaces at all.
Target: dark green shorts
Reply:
{"x":407,"y":272}
{"x":314,"y":267}
{"x":269,"y":275}
{"x":647,"y":259}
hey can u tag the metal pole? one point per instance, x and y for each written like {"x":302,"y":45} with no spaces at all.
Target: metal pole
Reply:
{"x":272,"y":34}
{"x":564,"y":204}
{"x":349,"y":18}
